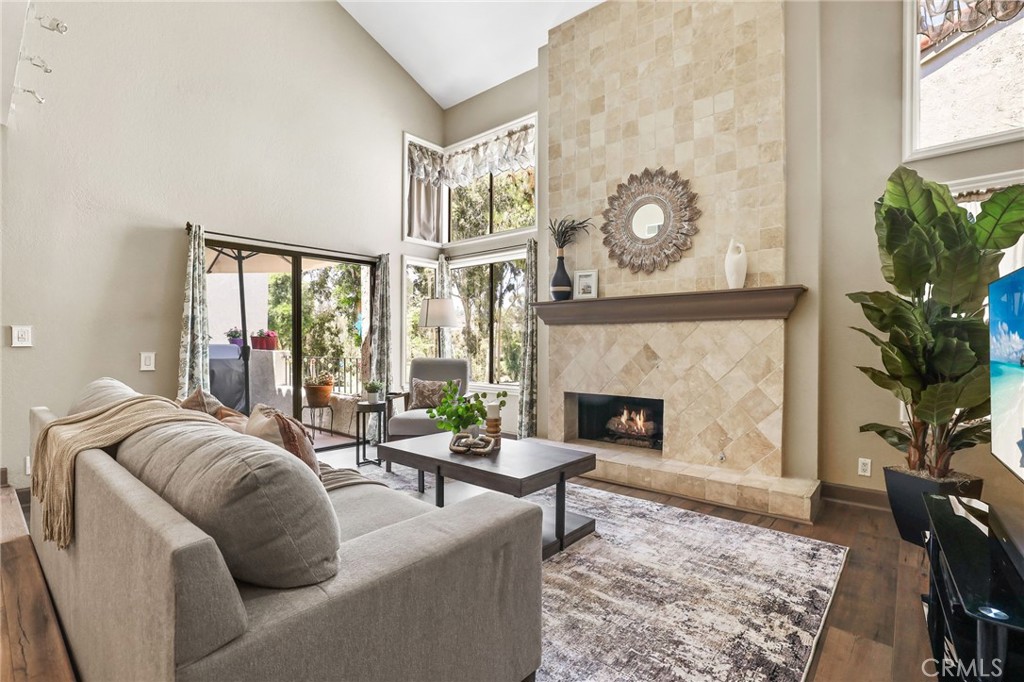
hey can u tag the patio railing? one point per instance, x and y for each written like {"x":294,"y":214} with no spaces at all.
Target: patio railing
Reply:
{"x":347,"y":371}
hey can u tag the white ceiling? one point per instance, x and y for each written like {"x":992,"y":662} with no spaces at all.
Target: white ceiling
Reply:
{"x":456,"y":50}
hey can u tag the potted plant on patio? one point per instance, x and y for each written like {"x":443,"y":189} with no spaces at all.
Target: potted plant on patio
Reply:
{"x":373,"y":389}
{"x":256,"y":339}
{"x":934,"y":337}
{"x":563,"y":232}
{"x":318,"y":389}
{"x":234,"y":336}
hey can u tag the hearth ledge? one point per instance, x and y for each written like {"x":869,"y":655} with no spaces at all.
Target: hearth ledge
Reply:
{"x":755,"y":303}
{"x":794,"y":499}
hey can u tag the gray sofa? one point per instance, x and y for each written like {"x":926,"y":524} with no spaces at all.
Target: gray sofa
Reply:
{"x":420,"y":593}
{"x":410,"y":423}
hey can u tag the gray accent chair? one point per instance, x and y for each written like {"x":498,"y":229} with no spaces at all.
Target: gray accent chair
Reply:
{"x":411,"y":423}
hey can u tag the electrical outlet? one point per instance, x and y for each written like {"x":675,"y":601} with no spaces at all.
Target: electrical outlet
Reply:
{"x":28,"y":466}
{"x":721,"y":456}
{"x":147,"y":361}
{"x":863,"y":466}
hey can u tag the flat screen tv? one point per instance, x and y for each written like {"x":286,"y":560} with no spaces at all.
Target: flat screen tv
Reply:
{"x":1006,"y":343}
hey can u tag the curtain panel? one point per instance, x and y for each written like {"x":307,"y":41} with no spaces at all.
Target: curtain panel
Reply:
{"x":514,"y":149}
{"x":528,"y":380}
{"x":444,"y":290}
{"x":380,"y":333}
{"x":194,"y":349}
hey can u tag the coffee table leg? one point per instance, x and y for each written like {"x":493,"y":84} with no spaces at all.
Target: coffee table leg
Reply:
{"x":420,"y":481}
{"x":560,"y":511}
{"x":439,"y":489}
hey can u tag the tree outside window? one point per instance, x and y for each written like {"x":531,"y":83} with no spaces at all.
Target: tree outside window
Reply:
{"x":492,"y":301}
{"x":492,"y":204}
{"x":420,"y":283}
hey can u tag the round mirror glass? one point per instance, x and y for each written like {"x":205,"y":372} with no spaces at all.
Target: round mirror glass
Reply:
{"x":648,"y":220}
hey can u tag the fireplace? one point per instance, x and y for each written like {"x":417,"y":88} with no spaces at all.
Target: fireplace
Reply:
{"x":620,"y":419}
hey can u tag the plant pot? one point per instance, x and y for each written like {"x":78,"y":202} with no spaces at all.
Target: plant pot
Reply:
{"x":561,"y":282}
{"x":235,"y":342}
{"x":372,"y":398}
{"x":906,"y":497}
{"x":271,"y":341}
{"x":319,"y":396}
{"x":256,"y":342}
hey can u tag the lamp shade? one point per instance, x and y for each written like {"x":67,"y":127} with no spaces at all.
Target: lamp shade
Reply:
{"x":438,"y":312}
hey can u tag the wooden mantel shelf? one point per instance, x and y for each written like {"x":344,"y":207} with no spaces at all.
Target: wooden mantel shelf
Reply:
{"x":757,"y":303}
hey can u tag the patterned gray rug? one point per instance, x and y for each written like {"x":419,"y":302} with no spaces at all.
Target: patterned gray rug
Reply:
{"x":660,"y":593}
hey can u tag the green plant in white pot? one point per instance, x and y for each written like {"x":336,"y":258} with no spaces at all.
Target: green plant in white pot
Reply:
{"x":373,"y":389}
{"x":933,"y":334}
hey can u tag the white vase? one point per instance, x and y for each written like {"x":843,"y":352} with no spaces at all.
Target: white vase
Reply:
{"x":735,"y":265}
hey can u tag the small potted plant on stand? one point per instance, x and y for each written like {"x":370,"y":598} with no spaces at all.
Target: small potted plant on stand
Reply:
{"x":563,"y":233}
{"x":373,"y":389}
{"x":318,"y":389}
{"x":935,"y":343}
{"x":235,"y":336}
{"x":462,"y":415}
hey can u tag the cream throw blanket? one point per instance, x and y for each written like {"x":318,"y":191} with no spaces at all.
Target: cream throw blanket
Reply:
{"x":53,"y":468}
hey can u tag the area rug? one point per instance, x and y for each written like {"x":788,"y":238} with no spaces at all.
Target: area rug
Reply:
{"x":661,"y":593}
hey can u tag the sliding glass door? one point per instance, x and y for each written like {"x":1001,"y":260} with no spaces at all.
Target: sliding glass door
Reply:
{"x":305,"y":316}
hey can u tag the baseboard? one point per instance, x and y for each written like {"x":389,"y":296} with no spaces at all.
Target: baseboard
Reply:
{"x":859,"y":497}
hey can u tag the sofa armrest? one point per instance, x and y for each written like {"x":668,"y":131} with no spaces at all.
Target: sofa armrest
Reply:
{"x":452,"y":594}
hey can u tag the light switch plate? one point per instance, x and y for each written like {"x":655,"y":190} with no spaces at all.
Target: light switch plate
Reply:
{"x":147,"y":361}
{"x":21,"y":336}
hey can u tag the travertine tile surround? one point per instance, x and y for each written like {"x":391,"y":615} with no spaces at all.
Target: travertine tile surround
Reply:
{"x":694,"y":87}
{"x":721,"y":383}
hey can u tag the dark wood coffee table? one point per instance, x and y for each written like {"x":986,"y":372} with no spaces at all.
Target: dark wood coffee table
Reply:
{"x":519,"y":469}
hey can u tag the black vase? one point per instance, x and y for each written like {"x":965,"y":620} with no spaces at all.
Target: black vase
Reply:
{"x":561,"y":282}
{"x":906,"y":497}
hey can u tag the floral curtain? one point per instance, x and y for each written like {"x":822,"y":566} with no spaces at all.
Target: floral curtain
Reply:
{"x":380,"y":332}
{"x":528,"y":380}
{"x":938,"y":19}
{"x":514,"y":149}
{"x":194,"y":351}
{"x":444,"y":290}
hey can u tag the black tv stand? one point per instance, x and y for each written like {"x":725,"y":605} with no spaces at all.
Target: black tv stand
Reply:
{"x":975,"y":598}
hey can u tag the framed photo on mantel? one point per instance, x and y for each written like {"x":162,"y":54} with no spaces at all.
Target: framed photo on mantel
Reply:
{"x":584,"y":284}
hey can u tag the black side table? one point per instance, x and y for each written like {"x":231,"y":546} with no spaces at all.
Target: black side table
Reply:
{"x":316,"y":415}
{"x":363,"y":412}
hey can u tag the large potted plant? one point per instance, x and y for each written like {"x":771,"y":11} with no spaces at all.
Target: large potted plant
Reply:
{"x":933,"y":334}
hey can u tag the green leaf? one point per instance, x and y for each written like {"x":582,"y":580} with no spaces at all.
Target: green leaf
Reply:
{"x":913,"y":262}
{"x":953,"y":357}
{"x":906,"y":189}
{"x":1001,"y":221}
{"x":969,"y":436}
{"x":988,"y":272}
{"x":939,"y":402}
{"x":977,"y":412}
{"x":893,"y":435}
{"x":888,"y":383}
{"x":944,"y":201}
{"x":956,"y":275}
{"x":973,"y":330}
{"x":896,"y":363}
{"x":952,"y":230}
{"x":881,"y":308}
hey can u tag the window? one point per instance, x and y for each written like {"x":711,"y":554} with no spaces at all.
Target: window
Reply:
{"x":420,"y":284}
{"x":492,"y":301}
{"x":492,"y":204}
{"x":963,"y":75}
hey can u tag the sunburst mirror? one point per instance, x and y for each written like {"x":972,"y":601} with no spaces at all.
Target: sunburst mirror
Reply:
{"x":650,"y":220}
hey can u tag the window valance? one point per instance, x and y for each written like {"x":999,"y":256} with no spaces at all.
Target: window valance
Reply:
{"x":513,"y":149}
{"x":939,"y":19}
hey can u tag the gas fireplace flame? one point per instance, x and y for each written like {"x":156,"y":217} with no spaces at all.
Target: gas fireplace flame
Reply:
{"x":634,"y":422}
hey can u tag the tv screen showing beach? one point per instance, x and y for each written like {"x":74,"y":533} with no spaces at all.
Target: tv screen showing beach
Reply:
{"x":1006,"y":334}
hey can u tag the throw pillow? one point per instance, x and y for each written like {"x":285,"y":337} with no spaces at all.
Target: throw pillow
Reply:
{"x":201,"y":401}
{"x":424,"y":394}
{"x":275,"y":427}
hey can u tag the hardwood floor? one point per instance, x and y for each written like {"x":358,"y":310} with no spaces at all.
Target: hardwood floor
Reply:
{"x":875,"y":630}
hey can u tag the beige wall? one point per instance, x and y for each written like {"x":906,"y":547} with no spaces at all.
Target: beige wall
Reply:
{"x":281,"y":121}
{"x":515,"y":98}
{"x":861,"y":124}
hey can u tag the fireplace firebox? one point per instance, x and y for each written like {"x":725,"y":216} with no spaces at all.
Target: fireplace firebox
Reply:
{"x":623,"y":420}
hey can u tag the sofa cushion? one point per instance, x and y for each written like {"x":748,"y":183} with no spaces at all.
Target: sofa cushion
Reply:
{"x":276,"y":427}
{"x":362,"y":509}
{"x":268,"y":513}
{"x":412,"y":423}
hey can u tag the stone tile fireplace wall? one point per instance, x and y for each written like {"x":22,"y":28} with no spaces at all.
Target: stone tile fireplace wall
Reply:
{"x":721,"y":383}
